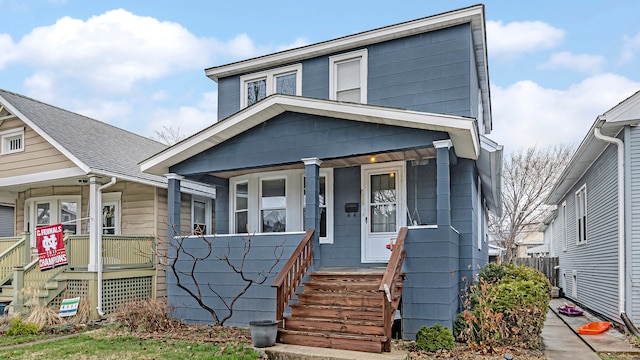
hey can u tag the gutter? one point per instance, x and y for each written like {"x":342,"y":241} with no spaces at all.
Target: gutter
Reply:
{"x":621,"y":215}
{"x":99,"y":245}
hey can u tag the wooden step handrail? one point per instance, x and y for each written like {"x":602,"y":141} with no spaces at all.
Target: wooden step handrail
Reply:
{"x":292,"y":273}
{"x":389,"y":286}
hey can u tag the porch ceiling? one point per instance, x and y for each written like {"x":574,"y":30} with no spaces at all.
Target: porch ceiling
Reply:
{"x":407,"y":155}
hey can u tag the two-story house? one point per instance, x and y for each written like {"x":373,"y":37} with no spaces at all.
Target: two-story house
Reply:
{"x":369,"y":139}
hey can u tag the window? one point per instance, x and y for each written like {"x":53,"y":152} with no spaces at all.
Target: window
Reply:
{"x":581,"y":214}
{"x":52,"y":210}
{"x":111,"y":213}
{"x":201,"y":215}
{"x":255,"y":87}
{"x":383,"y":203}
{"x":326,"y":210}
{"x":12,"y":141}
{"x":242,"y":207}
{"x":348,"y":77}
{"x":273,"y":205}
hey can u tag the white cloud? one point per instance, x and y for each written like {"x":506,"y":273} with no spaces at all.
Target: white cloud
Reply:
{"x":187,"y":119}
{"x":591,"y":64}
{"x":8,"y":53}
{"x":296,"y":43}
{"x":631,"y":47}
{"x":526,"y":114}
{"x":514,"y":38}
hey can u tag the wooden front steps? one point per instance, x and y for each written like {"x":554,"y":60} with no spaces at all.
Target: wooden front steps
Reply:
{"x":339,"y":310}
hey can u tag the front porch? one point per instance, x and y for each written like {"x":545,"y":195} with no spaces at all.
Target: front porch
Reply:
{"x":128,"y":273}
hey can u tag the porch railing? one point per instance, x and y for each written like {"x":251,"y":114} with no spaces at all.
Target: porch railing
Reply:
{"x":291,"y":274}
{"x":118,"y":251}
{"x":7,"y":242}
{"x":12,"y":256}
{"x":391,"y":284}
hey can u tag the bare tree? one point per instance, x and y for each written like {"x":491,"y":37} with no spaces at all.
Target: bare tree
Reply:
{"x":528,"y":175}
{"x":168,"y":135}
{"x":188,"y":260}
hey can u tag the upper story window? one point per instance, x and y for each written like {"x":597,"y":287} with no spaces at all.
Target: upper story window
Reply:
{"x":348,"y":77}
{"x":12,"y":141}
{"x":581,"y":214}
{"x":257,"y":86}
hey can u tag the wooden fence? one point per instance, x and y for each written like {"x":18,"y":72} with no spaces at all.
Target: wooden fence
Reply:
{"x":546,"y":265}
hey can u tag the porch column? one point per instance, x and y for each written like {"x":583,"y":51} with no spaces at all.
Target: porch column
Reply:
{"x":95,"y":216}
{"x":443,"y":182}
{"x":173,"y":205}
{"x":312,"y":204}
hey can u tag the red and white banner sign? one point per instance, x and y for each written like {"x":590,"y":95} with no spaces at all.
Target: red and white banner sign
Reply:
{"x":50,"y":243}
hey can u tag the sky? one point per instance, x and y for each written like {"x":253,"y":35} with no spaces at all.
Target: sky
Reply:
{"x":554,"y":66}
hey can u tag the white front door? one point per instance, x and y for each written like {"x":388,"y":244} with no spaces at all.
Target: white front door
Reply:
{"x":383,"y":208}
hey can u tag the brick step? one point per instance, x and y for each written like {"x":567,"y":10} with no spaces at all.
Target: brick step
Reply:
{"x":344,"y":298}
{"x":337,"y":312}
{"x":361,"y":327}
{"x":367,"y":343}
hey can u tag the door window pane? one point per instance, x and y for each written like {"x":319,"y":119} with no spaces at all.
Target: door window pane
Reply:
{"x":273,"y":203}
{"x":43,"y":214}
{"x":68,"y":216}
{"x":383,"y":203}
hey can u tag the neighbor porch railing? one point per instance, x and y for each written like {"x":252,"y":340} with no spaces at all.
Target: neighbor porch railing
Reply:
{"x":391,"y":284}
{"x":292,"y":273}
{"x":12,"y":255}
{"x":118,"y":251}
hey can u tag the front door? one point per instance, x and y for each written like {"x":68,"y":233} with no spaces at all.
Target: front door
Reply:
{"x":383,"y":208}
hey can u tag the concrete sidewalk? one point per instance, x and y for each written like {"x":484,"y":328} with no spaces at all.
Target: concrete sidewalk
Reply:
{"x":562,"y":341}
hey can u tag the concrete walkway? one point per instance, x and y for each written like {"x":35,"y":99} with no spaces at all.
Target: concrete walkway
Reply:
{"x":562,"y":341}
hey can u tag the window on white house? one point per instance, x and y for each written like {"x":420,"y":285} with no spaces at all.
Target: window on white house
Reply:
{"x":581,"y":214}
{"x":257,"y":86}
{"x":273,"y":205}
{"x":201,"y":215}
{"x":12,"y":141}
{"x":348,"y":77}
{"x":241,"y":207}
{"x":564,"y":226}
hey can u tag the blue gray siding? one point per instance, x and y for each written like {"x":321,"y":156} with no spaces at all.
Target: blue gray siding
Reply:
{"x":6,"y":221}
{"x":259,"y":301}
{"x":431,"y":72}
{"x":290,"y":137}
{"x":633,"y":222}
{"x":596,"y":262}
{"x":431,"y":289}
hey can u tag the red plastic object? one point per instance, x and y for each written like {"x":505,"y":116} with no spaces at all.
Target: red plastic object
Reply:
{"x":594,"y":328}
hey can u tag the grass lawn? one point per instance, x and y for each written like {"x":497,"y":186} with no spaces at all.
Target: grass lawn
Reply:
{"x":103,"y":345}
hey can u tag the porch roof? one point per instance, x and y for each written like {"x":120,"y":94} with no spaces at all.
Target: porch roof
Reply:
{"x":462,"y":130}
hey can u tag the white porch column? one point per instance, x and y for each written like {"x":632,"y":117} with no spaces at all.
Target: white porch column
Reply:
{"x":95,"y":216}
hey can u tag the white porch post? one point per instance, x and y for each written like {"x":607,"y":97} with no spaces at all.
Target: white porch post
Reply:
{"x":95,"y":215}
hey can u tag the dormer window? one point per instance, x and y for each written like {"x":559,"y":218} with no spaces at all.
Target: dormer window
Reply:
{"x":348,"y":77}
{"x":12,"y":141}
{"x":257,"y":86}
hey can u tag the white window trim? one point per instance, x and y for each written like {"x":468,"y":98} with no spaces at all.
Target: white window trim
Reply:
{"x":4,"y":140}
{"x":207,"y":213}
{"x":270,"y":75}
{"x":333,"y":60}
{"x":328,"y":175}
{"x":115,"y":199}
{"x":564,"y":227}
{"x":583,"y":190}
{"x":234,"y":211}
{"x":479,"y":214}
{"x":30,"y":211}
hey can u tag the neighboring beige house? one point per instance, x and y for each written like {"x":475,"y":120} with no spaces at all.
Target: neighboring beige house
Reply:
{"x":61,"y":167}
{"x":533,"y":239}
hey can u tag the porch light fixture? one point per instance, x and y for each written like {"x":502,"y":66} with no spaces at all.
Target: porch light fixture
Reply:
{"x":372,"y":159}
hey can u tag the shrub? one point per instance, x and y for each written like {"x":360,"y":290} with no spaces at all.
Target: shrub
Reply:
{"x":434,"y":338}
{"x":506,"y":306}
{"x":145,"y":315}
{"x":18,"y":328}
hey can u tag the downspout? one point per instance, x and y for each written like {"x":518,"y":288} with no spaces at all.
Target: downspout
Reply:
{"x":99,"y":245}
{"x":621,"y":216}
